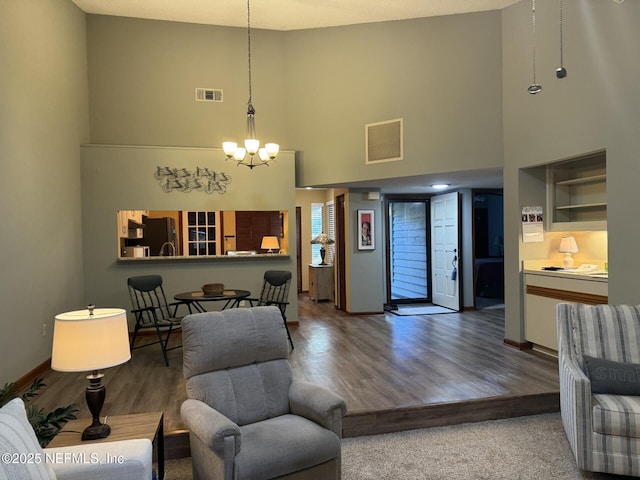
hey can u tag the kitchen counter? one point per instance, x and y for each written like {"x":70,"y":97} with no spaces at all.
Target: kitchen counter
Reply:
{"x":596,"y":275}
{"x":203,"y":258}
{"x":545,"y":289}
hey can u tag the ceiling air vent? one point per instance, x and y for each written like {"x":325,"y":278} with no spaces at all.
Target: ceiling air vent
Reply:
{"x":208,"y":95}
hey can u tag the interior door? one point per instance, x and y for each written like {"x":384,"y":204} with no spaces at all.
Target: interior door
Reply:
{"x":299,"y":247}
{"x":445,"y":250}
{"x":340,"y":253}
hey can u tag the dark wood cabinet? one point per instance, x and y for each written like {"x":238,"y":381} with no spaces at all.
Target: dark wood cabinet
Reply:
{"x":251,"y":226}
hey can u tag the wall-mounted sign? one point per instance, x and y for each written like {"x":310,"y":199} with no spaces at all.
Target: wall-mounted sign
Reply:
{"x":532,"y":224}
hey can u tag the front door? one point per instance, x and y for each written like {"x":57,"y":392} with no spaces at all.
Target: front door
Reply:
{"x":445,"y":250}
{"x":407,"y":251}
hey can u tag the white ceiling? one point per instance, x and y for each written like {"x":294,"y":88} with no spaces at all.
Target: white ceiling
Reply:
{"x":286,"y":14}
{"x":303,"y":14}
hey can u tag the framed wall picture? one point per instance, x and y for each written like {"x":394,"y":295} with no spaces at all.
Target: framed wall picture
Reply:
{"x":366,"y":225}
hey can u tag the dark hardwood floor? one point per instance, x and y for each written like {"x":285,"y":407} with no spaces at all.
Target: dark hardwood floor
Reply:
{"x":395,"y":372}
{"x":403,"y":372}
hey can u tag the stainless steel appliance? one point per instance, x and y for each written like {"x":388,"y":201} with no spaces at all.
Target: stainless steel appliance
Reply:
{"x":160,"y":235}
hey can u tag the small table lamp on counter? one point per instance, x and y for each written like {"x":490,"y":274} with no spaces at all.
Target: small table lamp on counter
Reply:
{"x":89,"y":341}
{"x":568,"y":246}
{"x":269,"y":243}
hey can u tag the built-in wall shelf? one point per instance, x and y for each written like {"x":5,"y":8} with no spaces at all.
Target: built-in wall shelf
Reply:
{"x":584,"y":205}
{"x":577,"y":193}
{"x":581,"y":181}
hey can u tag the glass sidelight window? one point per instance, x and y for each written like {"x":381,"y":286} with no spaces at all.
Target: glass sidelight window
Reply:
{"x":408,"y":247}
{"x":316,"y":229}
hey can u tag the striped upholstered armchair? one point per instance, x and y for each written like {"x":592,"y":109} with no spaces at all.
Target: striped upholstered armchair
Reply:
{"x":599,"y":366}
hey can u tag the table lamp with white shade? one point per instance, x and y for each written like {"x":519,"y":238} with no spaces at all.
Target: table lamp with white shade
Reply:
{"x":270,"y":243}
{"x":90,"y":341}
{"x":568,"y":246}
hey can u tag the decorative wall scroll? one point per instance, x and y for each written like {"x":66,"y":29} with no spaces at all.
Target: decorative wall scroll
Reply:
{"x":185,"y":181}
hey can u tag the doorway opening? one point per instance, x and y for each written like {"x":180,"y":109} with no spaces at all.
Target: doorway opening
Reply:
{"x":407,"y":250}
{"x":488,"y":248}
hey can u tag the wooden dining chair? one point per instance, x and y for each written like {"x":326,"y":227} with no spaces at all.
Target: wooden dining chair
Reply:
{"x":275,"y":291}
{"x":152,"y":311}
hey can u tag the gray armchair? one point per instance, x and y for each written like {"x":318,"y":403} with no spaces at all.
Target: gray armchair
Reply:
{"x":247,"y":416}
{"x":599,"y":367}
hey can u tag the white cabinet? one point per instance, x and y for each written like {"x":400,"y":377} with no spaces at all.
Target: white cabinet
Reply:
{"x":123,"y":221}
{"x":577,"y":193}
{"x":543,"y":291}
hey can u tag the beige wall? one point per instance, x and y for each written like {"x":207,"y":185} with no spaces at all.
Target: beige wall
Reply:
{"x":43,"y":121}
{"x":143,"y":75}
{"x":121,"y":178}
{"x":432,"y":72}
{"x":365,"y":271}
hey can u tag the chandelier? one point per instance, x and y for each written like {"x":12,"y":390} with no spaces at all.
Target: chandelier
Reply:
{"x":251,"y":143}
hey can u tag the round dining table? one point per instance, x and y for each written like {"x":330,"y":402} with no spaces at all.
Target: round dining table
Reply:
{"x":195,"y":299}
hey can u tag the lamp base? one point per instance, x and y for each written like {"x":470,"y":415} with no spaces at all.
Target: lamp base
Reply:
{"x":567,"y":261}
{"x":95,"y":395}
{"x":94,"y":432}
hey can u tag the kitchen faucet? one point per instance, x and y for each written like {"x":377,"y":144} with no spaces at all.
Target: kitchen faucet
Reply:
{"x":173,"y":249}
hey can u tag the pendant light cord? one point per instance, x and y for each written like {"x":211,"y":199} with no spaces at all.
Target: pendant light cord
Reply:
{"x":534,"y":87}
{"x":251,"y":109}
{"x":251,"y":143}
{"x":533,"y":38}
{"x":561,"y":38}
{"x":561,"y":72}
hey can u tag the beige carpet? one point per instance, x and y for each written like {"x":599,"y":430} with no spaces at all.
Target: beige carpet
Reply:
{"x":523,"y":448}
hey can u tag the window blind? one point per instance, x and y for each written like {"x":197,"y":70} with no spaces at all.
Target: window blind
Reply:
{"x":316,"y":229}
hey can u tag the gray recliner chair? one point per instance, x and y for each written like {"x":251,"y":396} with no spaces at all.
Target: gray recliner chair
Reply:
{"x":248,"y":418}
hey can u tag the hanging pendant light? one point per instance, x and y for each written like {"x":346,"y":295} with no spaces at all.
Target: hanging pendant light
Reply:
{"x":561,"y":72}
{"x":534,"y":87}
{"x":251,"y":143}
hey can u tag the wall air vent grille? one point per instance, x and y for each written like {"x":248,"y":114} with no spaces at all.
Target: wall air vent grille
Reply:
{"x":208,"y":95}
{"x":383,"y":141}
